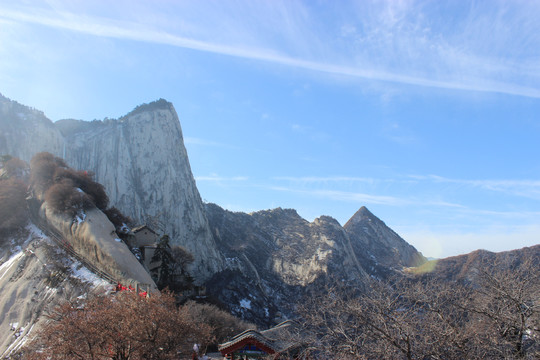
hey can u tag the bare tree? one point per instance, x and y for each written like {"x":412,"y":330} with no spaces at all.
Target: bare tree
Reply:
{"x":506,"y":308}
{"x":496,"y":316}
{"x":121,"y":327}
{"x":13,"y":210}
{"x":223,"y":324}
{"x":328,"y":329}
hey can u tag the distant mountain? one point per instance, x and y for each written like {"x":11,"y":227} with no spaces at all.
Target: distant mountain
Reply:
{"x":370,"y":236}
{"x":465,"y":267}
{"x":25,"y":131}
{"x":275,"y":256}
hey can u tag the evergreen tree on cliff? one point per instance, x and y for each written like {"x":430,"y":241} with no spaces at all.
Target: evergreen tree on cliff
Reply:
{"x":165,"y":263}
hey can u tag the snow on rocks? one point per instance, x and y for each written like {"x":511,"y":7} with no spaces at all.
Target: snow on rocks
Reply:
{"x":245,"y":303}
{"x":5,"y":267}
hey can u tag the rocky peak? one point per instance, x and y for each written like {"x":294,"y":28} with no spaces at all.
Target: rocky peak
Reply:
{"x":140,"y":159}
{"x":382,"y":244}
{"x":326,"y":220}
{"x":160,"y":104}
{"x":25,"y":131}
{"x":275,"y":255}
{"x":143,"y":164}
{"x":363,"y":214}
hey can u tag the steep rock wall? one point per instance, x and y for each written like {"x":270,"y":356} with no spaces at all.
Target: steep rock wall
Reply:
{"x":143,"y":164}
{"x":35,"y":277}
{"x":274,"y":257}
{"x":25,"y":131}
{"x":140,"y":159}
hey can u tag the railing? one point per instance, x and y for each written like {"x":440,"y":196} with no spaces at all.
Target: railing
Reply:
{"x":60,"y":240}
{"x":54,"y":235}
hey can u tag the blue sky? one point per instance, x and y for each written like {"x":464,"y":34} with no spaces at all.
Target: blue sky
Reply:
{"x":426,"y":112}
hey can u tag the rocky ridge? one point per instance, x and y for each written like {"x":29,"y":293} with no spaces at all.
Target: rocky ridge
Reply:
{"x":26,"y":131}
{"x":275,"y":256}
{"x":377,"y":243}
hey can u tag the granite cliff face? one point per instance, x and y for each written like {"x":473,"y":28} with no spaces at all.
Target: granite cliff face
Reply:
{"x":95,"y":240}
{"x":140,"y":159}
{"x":143,"y":164}
{"x":35,"y":277}
{"x":25,"y":131}
{"x":274,"y":257}
{"x":257,"y":264}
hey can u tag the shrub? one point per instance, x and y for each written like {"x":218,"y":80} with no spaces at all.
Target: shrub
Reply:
{"x":95,"y":190}
{"x":43,"y":167}
{"x":13,"y":210}
{"x":65,"y":198}
{"x":83,"y":180}
{"x":223,"y":324}
{"x":5,"y":158}
{"x":65,"y":189}
{"x":117,"y":218}
{"x":16,"y":167}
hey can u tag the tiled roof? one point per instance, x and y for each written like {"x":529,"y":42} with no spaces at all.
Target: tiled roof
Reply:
{"x":142,"y":227}
{"x":275,"y":338}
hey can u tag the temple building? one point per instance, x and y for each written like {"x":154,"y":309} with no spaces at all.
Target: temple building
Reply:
{"x":277,"y":342}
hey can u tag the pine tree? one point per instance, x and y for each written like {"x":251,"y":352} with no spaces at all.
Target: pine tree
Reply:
{"x":164,"y":270}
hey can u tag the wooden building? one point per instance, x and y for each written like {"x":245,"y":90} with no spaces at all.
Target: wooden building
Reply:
{"x":145,"y":239}
{"x":144,"y":236}
{"x":276,"y":342}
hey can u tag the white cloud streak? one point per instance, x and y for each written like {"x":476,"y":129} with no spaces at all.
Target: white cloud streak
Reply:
{"x":203,"y":142}
{"x":524,"y":188}
{"x":215,"y":178}
{"x":363,"y":198}
{"x":326,"y":179}
{"x":105,"y":27}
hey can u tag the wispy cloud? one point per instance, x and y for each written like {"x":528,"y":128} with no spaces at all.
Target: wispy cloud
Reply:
{"x":203,"y":142}
{"x":216,"y":178}
{"x":364,"y":198}
{"x":398,"y":33}
{"x":432,"y":201}
{"x":525,"y":188}
{"x":327,"y":179}
{"x":346,"y":196}
{"x":310,"y":132}
{"x":398,"y":134}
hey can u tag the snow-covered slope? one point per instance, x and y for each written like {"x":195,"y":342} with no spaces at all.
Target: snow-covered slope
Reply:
{"x":36,"y":276}
{"x":95,"y":240}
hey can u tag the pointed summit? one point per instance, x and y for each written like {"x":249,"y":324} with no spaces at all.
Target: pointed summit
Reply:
{"x":361,"y":215}
{"x":370,"y":233}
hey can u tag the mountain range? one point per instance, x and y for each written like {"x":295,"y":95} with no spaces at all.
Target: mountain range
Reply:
{"x":268,"y":255}
{"x":258,"y":264}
